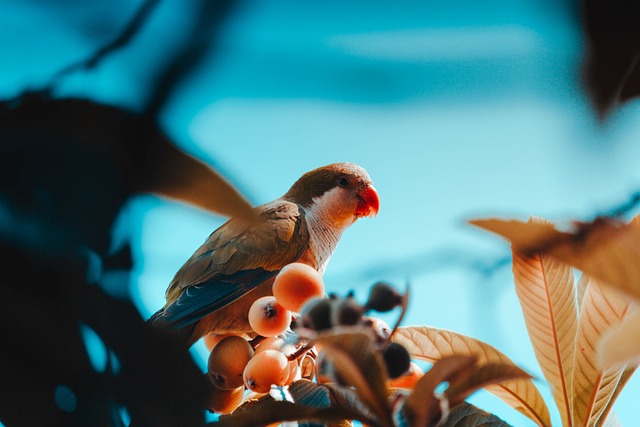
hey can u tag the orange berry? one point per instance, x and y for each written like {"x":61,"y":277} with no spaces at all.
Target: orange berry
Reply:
{"x":268,"y":318}
{"x":225,"y":401}
{"x":409,"y":379}
{"x":210,"y":340}
{"x":275,"y":343}
{"x":295,"y":284}
{"x":266,"y":368}
{"x":227,"y":361}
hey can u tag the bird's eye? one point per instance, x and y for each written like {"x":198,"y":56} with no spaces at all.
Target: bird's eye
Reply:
{"x":343,"y":181}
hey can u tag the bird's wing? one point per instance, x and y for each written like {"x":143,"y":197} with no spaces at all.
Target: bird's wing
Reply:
{"x":235,"y":259}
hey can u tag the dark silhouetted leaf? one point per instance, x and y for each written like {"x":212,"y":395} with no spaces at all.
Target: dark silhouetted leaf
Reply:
{"x":612,"y":70}
{"x":359,"y":363}
{"x":267,"y":411}
{"x":467,"y":415}
{"x":481,"y":376}
{"x":308,"y":393}
{"x":422,"y":407}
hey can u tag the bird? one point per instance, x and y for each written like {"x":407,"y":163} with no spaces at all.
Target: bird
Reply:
{"x":237,"y":264}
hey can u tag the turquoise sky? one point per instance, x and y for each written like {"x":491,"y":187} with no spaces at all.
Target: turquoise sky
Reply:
{"x":458,"y":109}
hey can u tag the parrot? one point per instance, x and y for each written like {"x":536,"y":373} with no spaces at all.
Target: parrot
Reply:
{"x":237,"y":264}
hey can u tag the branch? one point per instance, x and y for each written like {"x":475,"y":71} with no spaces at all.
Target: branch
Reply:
{"x":210,"y":15}
{"x":120,"y":41}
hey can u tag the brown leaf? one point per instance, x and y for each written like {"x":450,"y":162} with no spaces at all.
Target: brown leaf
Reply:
{"x":611,"y":70}
{"x":621,"y":344}
{"x":308,"y":393}
{"x":359,"y":363}
{"x":422,"y":406}
{"x":432,"y":344}
{"x":267,"y":411}
{"x":169,"y":172}
{"x":606,"y":250}
{"x":467,"y":415}
{"x":346,"y":398}
{"x":479,"y":377}
{"x":545,"y":289}
{"x":593,"y":386}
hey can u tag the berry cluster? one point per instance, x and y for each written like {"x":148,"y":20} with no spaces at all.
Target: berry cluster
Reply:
{"x":298,"y":303}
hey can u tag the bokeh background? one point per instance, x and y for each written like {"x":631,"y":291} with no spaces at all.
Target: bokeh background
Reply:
{"x":458,"y":109}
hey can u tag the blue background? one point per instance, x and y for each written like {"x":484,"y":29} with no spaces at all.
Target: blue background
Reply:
{"x":458,"y":109}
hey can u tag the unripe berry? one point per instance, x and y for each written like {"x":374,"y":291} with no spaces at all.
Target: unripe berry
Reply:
{"x":346,"y":311}
{"x":383,"y":297}
{"x":409,"y":379}
{"x":316,"y":314}
{"x":397,"y":360}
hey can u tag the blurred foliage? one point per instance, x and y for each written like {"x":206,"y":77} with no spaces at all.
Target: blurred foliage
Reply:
{"x":66,"y":169}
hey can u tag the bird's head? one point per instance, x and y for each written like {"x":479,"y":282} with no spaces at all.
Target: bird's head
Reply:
{"x":341,"y":191}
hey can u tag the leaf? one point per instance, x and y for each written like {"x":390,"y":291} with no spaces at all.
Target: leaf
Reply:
{"x":422,"y":407}
{"x":605,"y":249}
{"x":346,"y":398}
{"x":624,"y":378}
{"x":593,"y":387}
{"x":467,"y":415}
{"x":611,"y":73}
{"x":621,"y":343}
{"x":168,"y":171}
{"x":308,"y":393}
{"x":581,"y":288}
{"x":612,"y":421}
{"x":358,"y":361}
{"x":545,"y":288}
{"x":431,"y":344}
{"x":492,"y":373}
{"x":262,"y":412}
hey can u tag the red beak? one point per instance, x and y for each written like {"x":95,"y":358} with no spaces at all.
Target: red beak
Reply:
{"x":369,"y":202}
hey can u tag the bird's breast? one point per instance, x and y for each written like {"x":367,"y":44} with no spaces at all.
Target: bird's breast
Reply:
{"x":323,"y":239}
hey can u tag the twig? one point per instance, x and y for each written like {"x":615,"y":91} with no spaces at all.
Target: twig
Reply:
{"x":120,"y":41}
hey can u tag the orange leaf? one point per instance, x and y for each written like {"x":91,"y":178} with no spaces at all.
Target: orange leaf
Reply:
{"x":545,"y":288}
{"x":605,"y":249}
{"x":432,"y":344}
